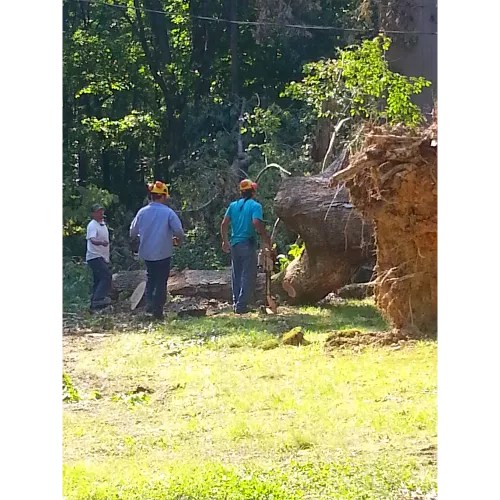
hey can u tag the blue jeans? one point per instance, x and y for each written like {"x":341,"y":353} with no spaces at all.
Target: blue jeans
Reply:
{"x":243,"y":274}
{"x":156,"y":286}
{"x":102,"y":280}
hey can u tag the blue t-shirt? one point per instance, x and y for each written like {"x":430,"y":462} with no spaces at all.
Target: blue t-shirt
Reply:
{"x":241,"y":214}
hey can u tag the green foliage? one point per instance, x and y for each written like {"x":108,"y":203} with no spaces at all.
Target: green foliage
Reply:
{"x":77,"y":201}
{"x":115,"y":131}
{"x":77,"y":284}
{"x":70,"y":394}
{"x":359,"y":83}
{"x":294,"y":252}
{"x":193,"y":255}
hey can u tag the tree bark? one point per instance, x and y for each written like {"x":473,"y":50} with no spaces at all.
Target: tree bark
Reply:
{"x":156,"y":48}
{"x":201,"y":53}
{"x":106,"y":168}
{"x":233,"y":46}
{"x":337,"y":240}
{"x":206,"y":283}
{"x":413,"y":55}
{"x":83,"y":165}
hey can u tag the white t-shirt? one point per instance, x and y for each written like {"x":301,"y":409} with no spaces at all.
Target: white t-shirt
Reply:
{"x":100,"y":232}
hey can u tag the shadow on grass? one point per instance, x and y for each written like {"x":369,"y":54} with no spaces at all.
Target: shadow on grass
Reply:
{"x":360,"y":316}
{"x":314,"y":320}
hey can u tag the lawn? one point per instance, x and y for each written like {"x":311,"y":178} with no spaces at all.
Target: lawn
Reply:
{"x":213,"y":408}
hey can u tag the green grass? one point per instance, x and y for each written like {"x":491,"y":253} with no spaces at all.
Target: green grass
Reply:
{"x":211,"y":409}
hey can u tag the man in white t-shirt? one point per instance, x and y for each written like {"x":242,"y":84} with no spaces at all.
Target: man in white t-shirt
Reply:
{"x":98,"y":257}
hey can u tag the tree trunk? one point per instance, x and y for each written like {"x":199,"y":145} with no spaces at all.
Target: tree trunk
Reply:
{"x":206,"y":283}
{"x":413,"y":54}
{"x":83,"y":164}
{"x":201,"y":41}
{"x":337,"y":240}
{"x":233,"y":46}
{"x":106,"y":168}
{"x":132,"y":190}
{"x":158,"y":55}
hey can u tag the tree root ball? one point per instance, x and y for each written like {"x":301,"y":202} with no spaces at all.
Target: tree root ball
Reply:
{"x":395,"y":185}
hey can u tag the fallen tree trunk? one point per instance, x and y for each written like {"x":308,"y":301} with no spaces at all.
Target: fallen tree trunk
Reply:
{"x":208,"y":284}
{"x":337,"y":240}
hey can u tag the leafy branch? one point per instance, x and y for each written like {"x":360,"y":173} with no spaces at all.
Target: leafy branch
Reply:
{"x":360,"y":81}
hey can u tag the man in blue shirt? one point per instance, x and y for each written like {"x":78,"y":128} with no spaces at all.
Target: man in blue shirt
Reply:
{"x":245,"y":217}
{"x":156,"y":225}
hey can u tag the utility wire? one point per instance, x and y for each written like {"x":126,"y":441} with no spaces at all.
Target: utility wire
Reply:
{"x":264,"y":23}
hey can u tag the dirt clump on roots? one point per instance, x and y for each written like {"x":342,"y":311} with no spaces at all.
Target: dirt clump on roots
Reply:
{"x":392,"y":180}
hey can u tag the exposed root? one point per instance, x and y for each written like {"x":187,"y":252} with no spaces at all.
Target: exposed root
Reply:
{"x":392,"y":180}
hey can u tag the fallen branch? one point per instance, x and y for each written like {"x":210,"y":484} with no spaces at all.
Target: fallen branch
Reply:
{"x":199,"y":208}
{"x":345,"y":174}
{"x":271,"y":165}
{"x":274,"y":228}
{"x":332,"y":140}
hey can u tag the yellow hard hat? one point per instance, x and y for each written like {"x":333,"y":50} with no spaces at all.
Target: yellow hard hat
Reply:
{"x":158,"y":187}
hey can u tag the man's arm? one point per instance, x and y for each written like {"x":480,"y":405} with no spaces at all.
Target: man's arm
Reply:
{"x":224,"y":229}
{"x":259,"y":226}
{"x":97,"y":242}
{"x":223,"y":232}
{"x":92,"y":236}
{"x":134,"y":228}
{"x":176,"y":226}
{"x":261,"y":229}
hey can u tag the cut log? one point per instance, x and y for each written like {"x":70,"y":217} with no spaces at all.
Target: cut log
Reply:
{"x":205,"y":283}
{"x":337,"y":240}
{"x":126,"y":281}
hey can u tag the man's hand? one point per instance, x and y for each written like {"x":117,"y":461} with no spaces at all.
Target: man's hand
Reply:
{"x":271,"y":252}
{"x":225,"y":247}
{"x":104,"y":243}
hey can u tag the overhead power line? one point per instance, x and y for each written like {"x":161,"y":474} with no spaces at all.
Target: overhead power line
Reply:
{"x":265,"y":23}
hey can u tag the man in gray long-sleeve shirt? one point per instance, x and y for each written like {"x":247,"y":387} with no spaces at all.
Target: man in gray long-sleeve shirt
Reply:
{"x":156,"y":225}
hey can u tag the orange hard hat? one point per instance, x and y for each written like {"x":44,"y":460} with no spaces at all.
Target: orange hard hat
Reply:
{"x":247,"y":184}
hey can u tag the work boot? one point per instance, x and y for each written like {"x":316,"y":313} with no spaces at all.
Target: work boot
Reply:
{"x":158,"y":315}
{"x":99,"y":304}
